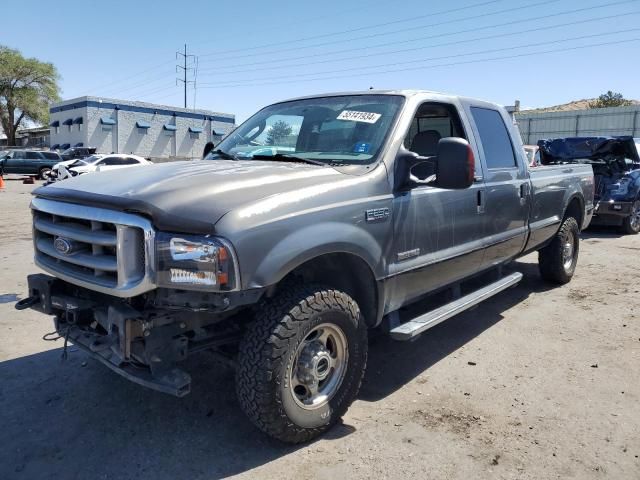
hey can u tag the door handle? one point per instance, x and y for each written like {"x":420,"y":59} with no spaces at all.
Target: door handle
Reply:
{"x":524,"y":189}
{"x":480,"y":201}
{"x":478,"y":178}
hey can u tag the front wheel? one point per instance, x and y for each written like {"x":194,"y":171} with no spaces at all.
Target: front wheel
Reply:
{"x":301,"y":362}
{"x":44,"y":173}
{"x":631,"y":224}
{"x":558,"y":260}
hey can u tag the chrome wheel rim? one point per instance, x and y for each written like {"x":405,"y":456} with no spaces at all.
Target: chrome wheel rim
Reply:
{"x":634,"y":221}
{"x":568,"y":250}
{"x":318,"y":366}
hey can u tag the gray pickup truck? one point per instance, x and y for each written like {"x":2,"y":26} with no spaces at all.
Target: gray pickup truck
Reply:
{"x":314,"y":221}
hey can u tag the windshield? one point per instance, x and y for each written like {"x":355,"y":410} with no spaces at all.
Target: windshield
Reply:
{"x":346,"y":130}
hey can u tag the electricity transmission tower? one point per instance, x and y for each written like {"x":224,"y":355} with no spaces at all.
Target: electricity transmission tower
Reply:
{"x":185,"y":69}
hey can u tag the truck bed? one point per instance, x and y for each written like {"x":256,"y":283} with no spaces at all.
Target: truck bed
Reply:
{"x":552,"y":188}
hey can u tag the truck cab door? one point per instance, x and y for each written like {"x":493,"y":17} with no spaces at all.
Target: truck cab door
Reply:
{"x":438,"y":233}
{"x":506,"y":200}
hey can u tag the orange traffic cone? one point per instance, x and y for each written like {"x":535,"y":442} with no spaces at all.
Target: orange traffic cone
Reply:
{"x":1,"y":182}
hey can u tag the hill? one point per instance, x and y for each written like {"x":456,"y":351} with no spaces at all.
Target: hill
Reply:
{"x":567,"y":107}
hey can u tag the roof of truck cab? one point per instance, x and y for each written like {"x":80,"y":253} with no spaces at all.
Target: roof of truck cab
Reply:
{"x":402,"y":92}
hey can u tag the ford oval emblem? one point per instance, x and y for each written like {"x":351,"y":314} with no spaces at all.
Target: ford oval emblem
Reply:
{"x":62,"y":245}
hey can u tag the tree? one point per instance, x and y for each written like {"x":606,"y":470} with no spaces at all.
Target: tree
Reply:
{"x":610,"y":99}
{"x":277,"y":132}
{"x":27,"y":87}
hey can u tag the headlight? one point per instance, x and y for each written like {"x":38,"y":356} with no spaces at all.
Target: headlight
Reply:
{"x":194,"y":262}
{"x":620,"y":188}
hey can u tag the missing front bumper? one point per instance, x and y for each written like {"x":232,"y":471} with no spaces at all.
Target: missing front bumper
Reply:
{"x":114,"y":334}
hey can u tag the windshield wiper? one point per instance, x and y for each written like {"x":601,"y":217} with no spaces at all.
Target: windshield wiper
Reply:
{"x":285,"y":157}
{"x":225,"y":155}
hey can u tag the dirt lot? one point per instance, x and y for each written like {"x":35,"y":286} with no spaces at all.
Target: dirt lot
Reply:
{"x":536,"y":383}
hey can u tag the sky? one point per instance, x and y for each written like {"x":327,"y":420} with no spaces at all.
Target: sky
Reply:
{"x":252,"y":53}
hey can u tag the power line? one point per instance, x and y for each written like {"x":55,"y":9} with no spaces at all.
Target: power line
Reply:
{"x":479,"y":52}
{"x":232,"y":85}
{"x":123,"y":79}
{"x":393,"y":32}
{"x":158,"y":77}
{"x":333,"y":34}
{"x":155,"y":67}
{"x":157,"y":90}
{"x":476,"y":39}
{"x":219,"y":69}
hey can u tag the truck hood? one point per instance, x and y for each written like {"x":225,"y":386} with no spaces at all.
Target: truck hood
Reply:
{"x":588,"y":148}
{"x":188,"y":197}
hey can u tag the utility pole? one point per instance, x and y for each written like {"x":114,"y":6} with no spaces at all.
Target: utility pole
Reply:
{"x":185,"y":69}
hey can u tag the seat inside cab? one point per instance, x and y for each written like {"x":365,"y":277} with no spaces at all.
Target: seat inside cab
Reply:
{"x":431,"y":122}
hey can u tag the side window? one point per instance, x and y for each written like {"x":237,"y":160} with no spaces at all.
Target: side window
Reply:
{"x":50,"y":156}
{"x":19,"y":155}
{"x":496,"y":142}
{"x":34,"y":156}
{"x":109,"y":161}
{"x":130,"y":161}
{"x":432,"y":122}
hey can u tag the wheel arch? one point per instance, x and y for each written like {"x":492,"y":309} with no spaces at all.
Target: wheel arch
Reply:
{"x":575,"y":208}
{"x":346,"y":272}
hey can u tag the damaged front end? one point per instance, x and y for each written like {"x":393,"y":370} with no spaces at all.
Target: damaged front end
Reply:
{"x":616,"y":169}
{"x":143,"y":339}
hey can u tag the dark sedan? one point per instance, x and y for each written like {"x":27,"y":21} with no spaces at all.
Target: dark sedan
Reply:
{"x":29,"y":162}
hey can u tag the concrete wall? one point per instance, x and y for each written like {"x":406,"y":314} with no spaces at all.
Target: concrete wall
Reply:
{"x":579,"y":123}
{"x":126,"y":137}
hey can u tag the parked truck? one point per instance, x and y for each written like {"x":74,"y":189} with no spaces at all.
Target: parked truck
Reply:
{"x":313,"y":222}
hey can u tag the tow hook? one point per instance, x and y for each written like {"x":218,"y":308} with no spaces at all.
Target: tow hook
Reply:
{"x":26,"y":303}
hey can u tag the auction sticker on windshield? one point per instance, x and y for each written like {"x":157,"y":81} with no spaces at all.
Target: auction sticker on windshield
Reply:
{"x":352,"y":115}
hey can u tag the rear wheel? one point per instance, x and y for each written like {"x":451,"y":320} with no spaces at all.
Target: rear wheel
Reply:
{"x":301,"y":362}
{"x":631,"y":224}
{"x":557,"y":261}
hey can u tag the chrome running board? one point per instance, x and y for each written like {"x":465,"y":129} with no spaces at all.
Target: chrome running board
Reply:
{"x":414,"y":327}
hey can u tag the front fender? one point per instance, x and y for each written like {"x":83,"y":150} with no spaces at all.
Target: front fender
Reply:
{"x":311,"y":242}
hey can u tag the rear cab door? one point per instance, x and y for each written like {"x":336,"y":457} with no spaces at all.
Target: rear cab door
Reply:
{"x":505,"y":200}
{"x":36,"y":160}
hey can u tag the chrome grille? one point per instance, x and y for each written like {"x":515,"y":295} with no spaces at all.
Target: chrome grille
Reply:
{"x":103,"y":250}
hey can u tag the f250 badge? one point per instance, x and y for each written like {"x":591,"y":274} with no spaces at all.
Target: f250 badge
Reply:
{"x":377,"y":214}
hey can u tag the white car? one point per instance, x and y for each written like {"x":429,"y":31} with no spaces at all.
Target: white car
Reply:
{"x":58,"y":173}
{"x":100,"y":163}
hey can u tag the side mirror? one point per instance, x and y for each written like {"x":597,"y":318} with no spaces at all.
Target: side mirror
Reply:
{"x":207,"y":148}
{"x":455,"y":166}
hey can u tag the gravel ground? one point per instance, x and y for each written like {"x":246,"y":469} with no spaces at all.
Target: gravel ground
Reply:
{"x":536,"y":383}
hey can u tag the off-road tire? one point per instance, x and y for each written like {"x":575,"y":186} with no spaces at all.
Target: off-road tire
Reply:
{"x":268,"y":350}
{"x":550,"y":258}
{"x":628,"y":226}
